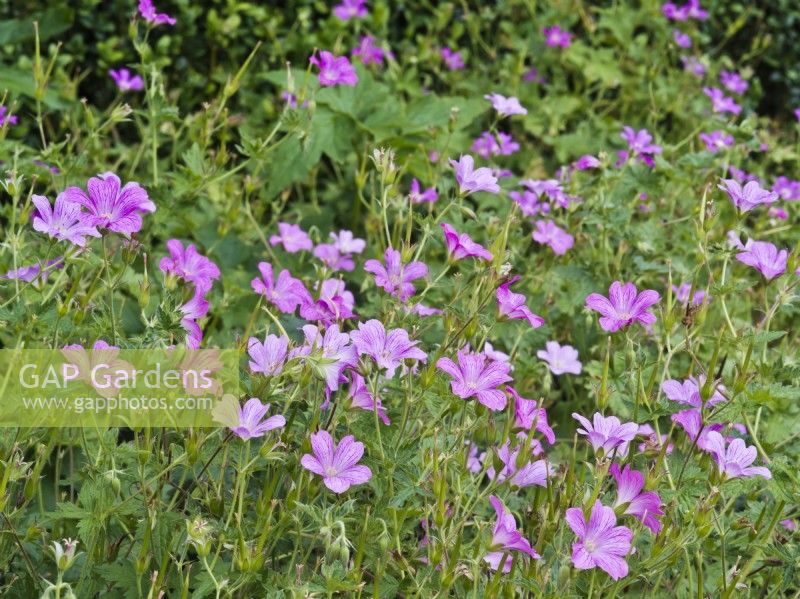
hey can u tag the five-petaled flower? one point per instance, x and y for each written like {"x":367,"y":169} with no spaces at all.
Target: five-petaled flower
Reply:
{"x":764,"y":257}
{"x":286,"y":292}
{"x":337,"y":465}
{"x":395,"y":277}
{"x":471,"y":179}
{"x":513,"y":305}
{"x":607,"y":434}
{"x":623,"y":306}
{"x":334,"y":70}
{"x":560,"y":358}
{"x":734,"y":460}
{"x":477,"y":376}
{"x":506,"y":106}
{"x":387,"y":348}
{"x":644,"y":505}
{"x":64,"y":220}
{"x":601,"y":543}
{"x":460,"y":245}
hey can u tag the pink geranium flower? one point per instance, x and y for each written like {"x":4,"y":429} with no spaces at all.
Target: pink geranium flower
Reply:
{"x":368,"y":52}
{"x":452,"y":59}
{"x":560,"y":358}
{"x":387,"y":348}
{"x":513,"y":304}
{"x":646,"y":506}
{"x":148,"y":11}
{"x":640,"y":144}
{"x":520,"y":472}
{"x":527,"y":414}
{"x":361,"y":397}
{"x":338,"y":466}
{"x":267,"y":357}
{"x":733,"y":82}
{"x":350,"y":9}
{"x":111,"y":206}
{"x":460,"y":245}
{"x":188,"y":264}
{"x":601,"y":543}
{"x":554,"y":36}
{"x":125,"y":82}
{"x":748,"y":197}
{"x":470,"y":179}
{"x":586,"y":162}
{"x":764,"y":257}
{"x":396,"y":278}
{"x":547,"y":232}
{"x":474,"y":377}
{"x":720,"y":102}
{"x":418,"y":197}
{"x":716,"y":140}
{"x":335,"y":303}
{"x":734,"y":460}
{"x":252,"y":423}
{"x":607,"y":434}
{"x":329,"y":354}
{"x":334,"y":70}
{"x":691,"y":421}
{"x":192,"y":311}
{"x":623,"y":306}
{"x":292,"y":238}
{"x":286,"y":293}
{"x":506,"y":538}
{"x":688,"y":392}
{"x":506,"y":106}
{"x":63,"y":221}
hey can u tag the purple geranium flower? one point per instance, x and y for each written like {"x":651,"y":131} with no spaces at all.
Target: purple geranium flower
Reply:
{"x":452,"y":59}
{"x":527,"y":414}
{"x":688,"y":392}
{"x":251,"y":420}
{"x":682,"y":39}
{"x":111,"y":206}
{"x":787,"y":189}
{"x":368,"y":52}
{"x":188,"y":264}
{"x":734,"y":460}
{"x":7,"y":118}
{"x":334,"y":70}
{"x":505,"y":538}
{"x":460,"y":245}
{"x":125,"y":82}
{"x":646,"y":506}
{"x":338,"y":466}
{"x":286,"y":293}
{"x":350,"y":9}
{"x":347,"y":243}
{"x":623,"y":306}
{"x":335,"y":303}
{"x":693,"y":65}
{"x":517,"y":471}
{"x":416,"y":196}
{"x":148,"y":11}
{"x":720,"y":102}
{"x":601,"y":543}
{"x":292,"y":238}
{"x":748,"y":197}
{"x":506,"y":106}
{"x":329,"y":354}
{"x":547,"y":232}
{"x":34,"y":273}
{"x":387,"y":348}
{"x":765,"y":257}
{"x":560,"y":358}
{"x":640,"y":144}
{"x":734,"y":82}
{"x":607,"y":433}
{"x":513,"y":304}
{"x":267,"y":357}
{"x":586,"y":162}
{"x":555,"y":36}
{"x":471,"y":179}
{"x":396,"y":278}
{"x":716,"y":140}
{"x":473,"y":376}
{"x":193,"y":310}
{"x":64,"y":220}
{"x":691,"y":421}
{"x":361,"y":397}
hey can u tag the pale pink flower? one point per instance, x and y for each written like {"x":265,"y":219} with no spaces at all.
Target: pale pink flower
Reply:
{"x":387,"y":348}
{"x":460,"y":245}
{"x":601,"y":543}
{"x":292,"y":238}
{"x":645,"y":506}
{"x":470,"y":179}
{"x":623,"y":306}
{"x":474,"y":377}
{"x":513,"y":304}
{"x":506,"y":538}
{"x":252,"y":423}
{"x":560,"y":358}
{"x":607,"y":434}
{"x":395,"y":277}
{"x":734,"y":460}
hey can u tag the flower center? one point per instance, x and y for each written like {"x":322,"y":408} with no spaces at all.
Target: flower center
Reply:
{"x":590,"y":545}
